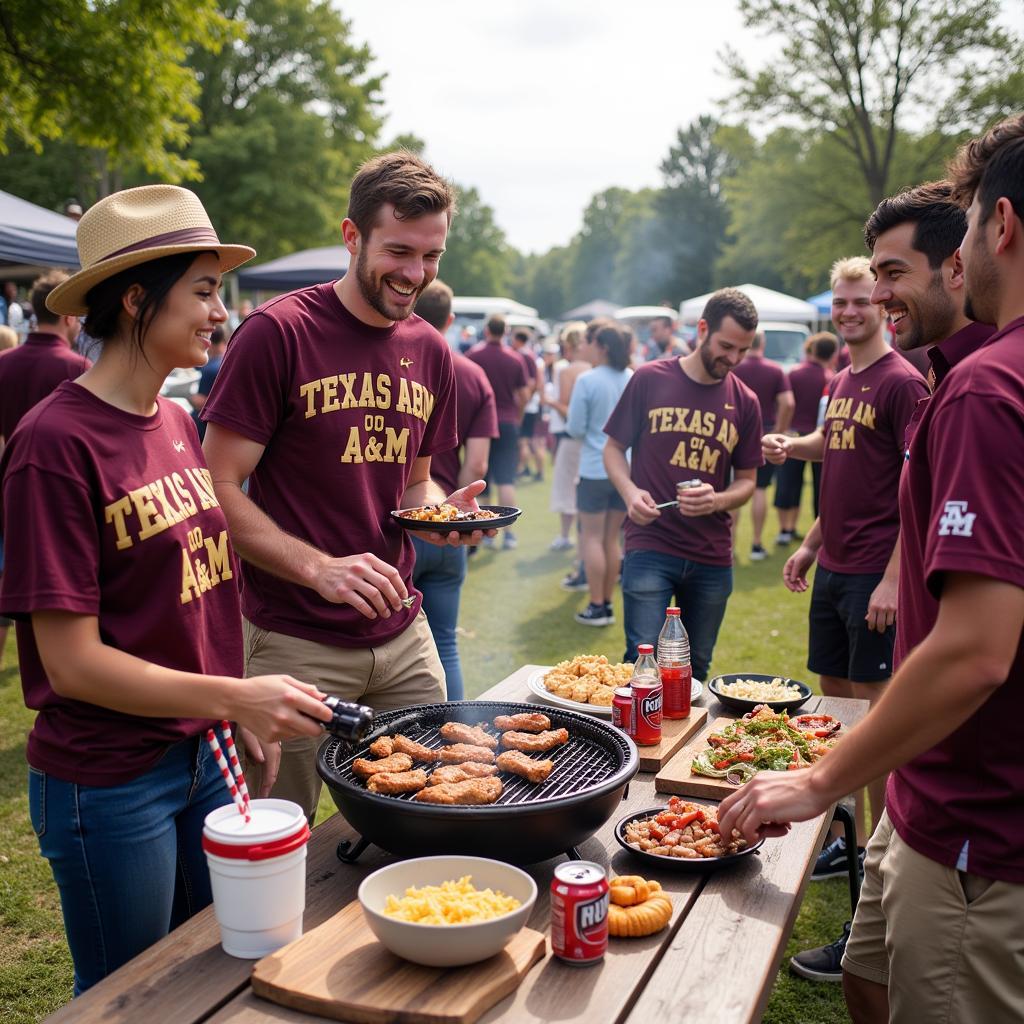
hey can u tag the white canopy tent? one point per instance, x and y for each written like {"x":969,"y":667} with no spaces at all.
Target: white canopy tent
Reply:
{"x":771,"y":305}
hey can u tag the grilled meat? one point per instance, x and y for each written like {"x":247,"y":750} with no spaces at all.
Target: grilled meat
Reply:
{"x":417,"y":751}
{"x":457,"y":732}
{"x":472,"y":791}
{"x":523,"y":722}
{"x":461,"y":772}
{"x":393,"y":783}
{"x":534,"y":743}
{"x":459,"y":752}
{"x":518,"y":763}
{"x":395,"y":763}
{"x":382,"y":746}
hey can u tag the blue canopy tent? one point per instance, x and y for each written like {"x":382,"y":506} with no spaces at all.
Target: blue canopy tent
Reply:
{"x":298,"y":270}
{"x":32,"y":237}
{"x":823,"y":303}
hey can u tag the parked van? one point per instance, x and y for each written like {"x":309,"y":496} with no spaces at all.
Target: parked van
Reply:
{"x":784,"y":342}
{"x":472,"y":312}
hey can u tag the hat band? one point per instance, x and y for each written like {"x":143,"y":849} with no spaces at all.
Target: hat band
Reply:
{"x":184,"y":236}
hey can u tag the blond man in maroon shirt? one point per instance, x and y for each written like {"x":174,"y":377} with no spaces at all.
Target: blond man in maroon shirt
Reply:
{"x":951,"y":726}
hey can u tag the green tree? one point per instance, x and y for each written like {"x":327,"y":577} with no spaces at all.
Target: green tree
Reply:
{"x":477,"y":259}
{"x":110,"y":77}
{"x":592,"y":275}
{"x":864,"y":72}
{"x":544,"y":280}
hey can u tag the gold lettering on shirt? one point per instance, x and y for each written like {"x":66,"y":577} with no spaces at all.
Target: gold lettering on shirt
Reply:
{"x":115,"y":513}
{"x":148,"y":510}
{"x":842,"y":418}
{"x":152,"y":522}
{"x":205,"y":562}
{"x":695,"y":451}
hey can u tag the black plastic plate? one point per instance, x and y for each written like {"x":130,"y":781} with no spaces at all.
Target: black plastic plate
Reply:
{"x":743,"y":705}
{"x":505,"y":515}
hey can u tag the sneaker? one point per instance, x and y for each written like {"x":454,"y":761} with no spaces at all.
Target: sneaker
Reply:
{"x":832,"y":861}
{"x":823,"y":963}
{"x":561,"y":544}
{"x":594,"y":615}
{"x":509,"y":542}
{"x":574,"y":581}
{"x":758,"y":553}
{"x":785,"y":537}
{"x":609,"y":614}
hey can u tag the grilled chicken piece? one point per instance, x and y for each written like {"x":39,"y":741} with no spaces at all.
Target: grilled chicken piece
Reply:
{"x":393,"y":783}
{"x":523,"y":723}
{"x":472,"y":791}
{"x":457,"y":732}
{"x":516,"y":762}
{"x":461,"y":772}
{"x":459,"y":752}
{"x":534,"y":743}
{"x":382,"y":746}
{"x":417,"y":751}
{"x":395,"y":763}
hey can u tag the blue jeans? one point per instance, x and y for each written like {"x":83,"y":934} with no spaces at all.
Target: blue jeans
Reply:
{"x":651,"y":579}
{"x":439,"y":574}
{"x":127,"y":859}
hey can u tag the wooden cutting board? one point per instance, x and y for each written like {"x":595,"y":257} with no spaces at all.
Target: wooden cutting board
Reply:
{"x":341,"y":971}
{"x":674,"y":733}
{"x":676,"y":777}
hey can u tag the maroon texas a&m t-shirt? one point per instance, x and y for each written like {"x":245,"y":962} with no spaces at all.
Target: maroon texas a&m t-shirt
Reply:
{"x":807,"y":382}
{"x":477,"y":417}
{"x":767,"y":380}
{"x":961,"y":496}
{"x":507,"y":374}
{"x":865,"y":423}
{"x":31,"y":371}
{"x":113,"y":515}
{"x":681,"y":430}
{"x":343,"y":410}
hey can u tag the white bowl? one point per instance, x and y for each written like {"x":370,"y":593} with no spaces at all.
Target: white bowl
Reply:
{"x":451,"y":945}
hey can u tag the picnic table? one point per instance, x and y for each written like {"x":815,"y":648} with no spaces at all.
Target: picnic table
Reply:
{"x":716,"y":962}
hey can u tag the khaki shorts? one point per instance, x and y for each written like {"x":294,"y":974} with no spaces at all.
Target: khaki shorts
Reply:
{"x":949,"y":945}
{"x":404,"y":671}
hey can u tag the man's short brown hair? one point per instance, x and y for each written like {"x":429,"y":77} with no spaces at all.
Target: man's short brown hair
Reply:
{"x":939,"y":221}
{"x":822,"y":345}
{"x":405,"y":181}
{"x":41,"y":288}
{"x":435,"y":304}
{"x":729,"y":302}
{"x":990,"y":167}
{"x":496,"y":326}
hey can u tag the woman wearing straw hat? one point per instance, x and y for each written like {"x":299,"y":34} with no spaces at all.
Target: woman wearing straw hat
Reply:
{"x":121,"y":575}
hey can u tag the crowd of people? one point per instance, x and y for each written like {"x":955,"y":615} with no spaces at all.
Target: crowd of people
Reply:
{"x":161,"y":583}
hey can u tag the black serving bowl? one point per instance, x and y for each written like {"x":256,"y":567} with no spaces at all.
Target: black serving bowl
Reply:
{"x":743,"y":705}
{"x":505,"y":515}
{"x":696,"y":864}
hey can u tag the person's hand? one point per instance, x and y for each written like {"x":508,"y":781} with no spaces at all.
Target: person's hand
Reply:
{"x":775,"y":448}
{"x":642,"y":508}
{"x":464,"y":499}
{"x":766,"y":804}
{"x":794,"y":572}
{"x":366,"y":582}
{"x":697,"y":501}
{"x":882,"y":606}
{"x":267,"y":754}
{"x":279,"y":707}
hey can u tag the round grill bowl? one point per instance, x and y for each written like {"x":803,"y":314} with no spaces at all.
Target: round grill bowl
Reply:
{"x":529,"y":823}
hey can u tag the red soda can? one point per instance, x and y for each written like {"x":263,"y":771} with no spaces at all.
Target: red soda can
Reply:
{"x":579,"y":913}
{"x":622,"y":707}
{"x":647,"y":697}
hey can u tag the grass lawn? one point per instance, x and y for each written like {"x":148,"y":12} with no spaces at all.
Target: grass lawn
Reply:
{"x":513,"y":612}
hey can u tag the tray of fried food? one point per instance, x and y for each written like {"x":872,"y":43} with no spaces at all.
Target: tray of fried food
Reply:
{"x":445,"y":517}
{"x":587,"y":679}
{"x":637,"y":907}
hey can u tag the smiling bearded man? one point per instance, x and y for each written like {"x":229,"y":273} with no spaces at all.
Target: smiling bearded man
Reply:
{"x":331,"y":401}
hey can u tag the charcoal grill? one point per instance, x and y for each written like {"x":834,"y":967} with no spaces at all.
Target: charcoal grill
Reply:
{"x":528,"y":823}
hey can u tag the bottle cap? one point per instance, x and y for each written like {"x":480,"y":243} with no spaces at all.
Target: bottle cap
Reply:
{"x":671,"y":611}
{"x":645,"y":648}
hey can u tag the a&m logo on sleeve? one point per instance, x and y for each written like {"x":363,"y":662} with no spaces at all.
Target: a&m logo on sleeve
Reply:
{"x":956,"y":521}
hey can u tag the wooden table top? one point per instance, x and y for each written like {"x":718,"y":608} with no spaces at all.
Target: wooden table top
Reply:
{"x":716,"y":961}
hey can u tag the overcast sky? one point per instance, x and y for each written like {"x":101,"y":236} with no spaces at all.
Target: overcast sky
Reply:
{"x":539,"y":104}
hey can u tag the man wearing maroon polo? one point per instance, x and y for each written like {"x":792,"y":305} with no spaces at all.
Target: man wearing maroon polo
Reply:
{"x":506,"y":372}
{"x":769,"y":382}
{"x":951,"y":726}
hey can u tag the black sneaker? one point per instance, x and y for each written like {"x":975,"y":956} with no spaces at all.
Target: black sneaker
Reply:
{"x":832,"y":862}
{"x":758,"y":553}
{"x":575,"y":581}
{"x":823,"y":963}
{"x":609,"y":613}
{"x":594,"y":615}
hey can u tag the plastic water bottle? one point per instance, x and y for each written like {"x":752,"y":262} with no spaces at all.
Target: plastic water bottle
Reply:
{"x":674,"y":666}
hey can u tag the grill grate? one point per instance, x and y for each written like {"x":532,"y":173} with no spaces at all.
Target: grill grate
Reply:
{"x":580,"y":764}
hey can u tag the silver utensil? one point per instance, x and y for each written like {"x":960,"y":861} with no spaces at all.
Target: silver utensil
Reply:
{"x":668,"y":504}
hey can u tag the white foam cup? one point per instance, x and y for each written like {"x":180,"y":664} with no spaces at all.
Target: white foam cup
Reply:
{"x":258,"y":875}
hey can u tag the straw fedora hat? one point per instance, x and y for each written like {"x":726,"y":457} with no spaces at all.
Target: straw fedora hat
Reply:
{"x":136,"y":226}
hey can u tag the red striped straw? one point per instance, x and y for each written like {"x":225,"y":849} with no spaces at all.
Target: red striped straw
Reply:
{"x":236,"y":767}
{"x":229,"y":779}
